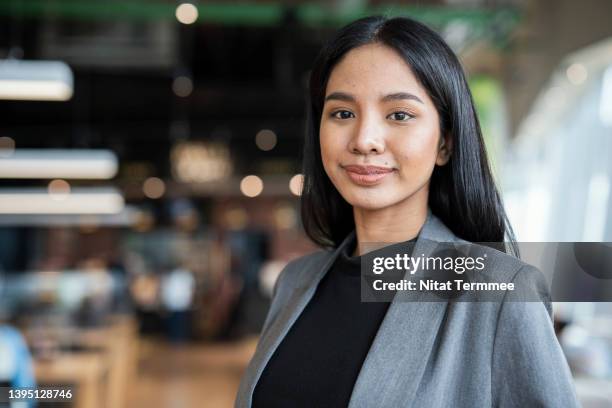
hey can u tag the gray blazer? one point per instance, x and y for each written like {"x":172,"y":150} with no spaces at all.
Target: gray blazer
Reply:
{"x":436,"y":354}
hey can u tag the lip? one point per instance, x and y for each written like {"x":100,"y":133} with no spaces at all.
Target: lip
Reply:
{"x":367,"y":175}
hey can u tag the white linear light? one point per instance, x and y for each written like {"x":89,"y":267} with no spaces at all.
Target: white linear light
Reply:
{"x":83,"y":200}
{"x":35,"y":80}
{"x":59,"y":163}
{"x":129,"y":216}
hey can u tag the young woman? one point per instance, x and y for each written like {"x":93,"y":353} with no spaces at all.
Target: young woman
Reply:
{"x":394,"y":153}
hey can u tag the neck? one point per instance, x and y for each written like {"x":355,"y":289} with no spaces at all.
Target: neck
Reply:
{"x":393,"y":224}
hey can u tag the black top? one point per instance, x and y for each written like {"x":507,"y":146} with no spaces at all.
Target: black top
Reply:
{"x":319,"y":359}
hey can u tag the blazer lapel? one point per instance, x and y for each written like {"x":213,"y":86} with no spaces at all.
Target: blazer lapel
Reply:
{"x":280,"y":327}
{"x":396,"y":361}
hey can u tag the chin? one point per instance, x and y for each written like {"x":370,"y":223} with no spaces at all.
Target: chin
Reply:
{"x":373,"y":199}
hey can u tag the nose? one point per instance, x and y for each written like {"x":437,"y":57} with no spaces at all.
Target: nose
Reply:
{"x":368,"y":138}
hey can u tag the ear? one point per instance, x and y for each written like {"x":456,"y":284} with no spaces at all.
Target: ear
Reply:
{"x":445,"y":149}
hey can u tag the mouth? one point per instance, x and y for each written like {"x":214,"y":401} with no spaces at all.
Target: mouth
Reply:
{"x":367,"y":175}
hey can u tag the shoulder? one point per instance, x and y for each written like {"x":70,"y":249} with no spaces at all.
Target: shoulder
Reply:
{"x":529,"y":283}
{"x":501,"y":265}
{"x":531,"y":289}
{"x":300,"y":271}
{"x":296,"y":273}
{"x":310,"y":259}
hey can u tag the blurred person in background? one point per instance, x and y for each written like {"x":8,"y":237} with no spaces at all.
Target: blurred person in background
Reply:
{"x":144,"y":290}
{"x":177,"y":290}
{"x":97,"y":303}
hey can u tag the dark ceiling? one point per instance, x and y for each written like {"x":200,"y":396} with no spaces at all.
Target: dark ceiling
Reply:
{"x":244,"y":79}
{"x":249,"y":69}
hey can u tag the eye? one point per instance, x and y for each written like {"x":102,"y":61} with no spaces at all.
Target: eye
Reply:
{"x":400,"y":116}
{"x":342,"y":114}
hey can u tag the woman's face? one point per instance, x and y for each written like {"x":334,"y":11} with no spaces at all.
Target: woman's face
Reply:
{"x":379,"y":134}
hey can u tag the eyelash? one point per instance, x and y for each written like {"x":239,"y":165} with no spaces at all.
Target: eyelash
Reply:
{"x":333,"y":115}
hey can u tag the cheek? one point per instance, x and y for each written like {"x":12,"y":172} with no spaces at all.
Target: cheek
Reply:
{"x":419,"y":150}
{"x":330,"y":147}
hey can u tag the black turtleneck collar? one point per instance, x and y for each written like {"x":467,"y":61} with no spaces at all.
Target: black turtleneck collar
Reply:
{"x":351,"y":265}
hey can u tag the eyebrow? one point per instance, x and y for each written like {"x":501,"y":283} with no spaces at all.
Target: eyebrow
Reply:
{"x":346,"y":97}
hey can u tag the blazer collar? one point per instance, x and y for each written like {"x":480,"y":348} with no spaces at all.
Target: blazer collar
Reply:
{"x":397,"y":358}
{"x":396,"y":361}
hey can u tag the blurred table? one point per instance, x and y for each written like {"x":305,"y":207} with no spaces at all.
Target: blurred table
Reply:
{"x":101,"y":369}
{"x":84,"y":370}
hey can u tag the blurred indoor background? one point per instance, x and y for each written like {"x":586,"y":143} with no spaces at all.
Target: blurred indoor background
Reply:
{"x":150,"y":175}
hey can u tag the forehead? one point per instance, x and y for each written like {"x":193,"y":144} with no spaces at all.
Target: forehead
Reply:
{"x":373,"y":69}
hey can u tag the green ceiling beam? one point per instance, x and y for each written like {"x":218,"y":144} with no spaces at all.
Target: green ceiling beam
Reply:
{"x":253,"y":14}
{"x":436,"y":16}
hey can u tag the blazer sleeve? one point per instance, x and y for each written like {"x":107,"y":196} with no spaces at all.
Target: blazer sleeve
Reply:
{"x":529,"y":368}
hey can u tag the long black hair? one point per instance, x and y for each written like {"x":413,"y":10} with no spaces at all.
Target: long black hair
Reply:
{"x":462,"y":192}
